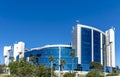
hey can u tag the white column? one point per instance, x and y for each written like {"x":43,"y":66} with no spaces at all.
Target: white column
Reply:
{"x":59,"y":61}
{"x":101,"y":48}
{"x":92,"y":46}
{"x":79,"y":44}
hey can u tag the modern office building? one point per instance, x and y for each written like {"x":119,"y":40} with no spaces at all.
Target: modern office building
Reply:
{"x":59,"y":52}
{"x":93,"y":45}
{"x":89,"y":44}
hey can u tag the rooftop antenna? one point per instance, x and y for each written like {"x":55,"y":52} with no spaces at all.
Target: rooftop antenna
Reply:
{"x":113,"y":28}
{"x":77,"y":21}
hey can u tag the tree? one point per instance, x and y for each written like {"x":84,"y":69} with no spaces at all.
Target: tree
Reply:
{"x":96,"y":65}
{"x":32,"y":58}
{"x":43,"y":71}
{"x":73,"y":56}
{"x":69,"y":75}
{"x":62,"y":63}
{"x":51,"y":59}
{"x":11,"y":58}
{"x":22,"y":68}
{"x":95,"y":73}
{"x":37,"y":59}
{"x":2,"y":67}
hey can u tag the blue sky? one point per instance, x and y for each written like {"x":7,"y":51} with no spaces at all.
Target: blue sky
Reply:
{"x":41,"y":22}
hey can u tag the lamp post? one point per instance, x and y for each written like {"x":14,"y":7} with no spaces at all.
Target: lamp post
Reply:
{"x":59,"y":61}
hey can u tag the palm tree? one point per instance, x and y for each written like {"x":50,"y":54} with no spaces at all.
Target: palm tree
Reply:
{"x":51,"y":59}
{"x":96,"y":65}
{"x":32,"y":58}
{"x":37,"y":59}
{"x":73,"y":56}
{"x":11,"y":58}
{"x":62,"y":63}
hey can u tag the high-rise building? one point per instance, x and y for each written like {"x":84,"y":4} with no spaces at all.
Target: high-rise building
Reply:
{"x":90,"y":46}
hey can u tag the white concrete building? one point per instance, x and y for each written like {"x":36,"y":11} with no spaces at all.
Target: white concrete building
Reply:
{"x":110,"y":47}
{"x":7,"y":50}
{"x":19,"y":50}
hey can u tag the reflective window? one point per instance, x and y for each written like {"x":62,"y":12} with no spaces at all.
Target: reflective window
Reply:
{"x":86,"y":47}
{"x":42,"y":56}
{"x":96,"y":46}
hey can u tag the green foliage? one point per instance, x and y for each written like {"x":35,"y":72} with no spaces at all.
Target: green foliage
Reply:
{"x":2,"y":67}
{"x":69,"y":75}
{"x":95,"y":73}
{"x":62,"y":63}
{"x":112,"y":74}
{"x":22,"y":68}
{"x":11,"y":58}
{"x":73,"y":55}
{"x":51,"y":58}
{"x":32,"y":58}
{"x":96,"y":65}
{"x":25,"y":69}
{"x":42,"y":71}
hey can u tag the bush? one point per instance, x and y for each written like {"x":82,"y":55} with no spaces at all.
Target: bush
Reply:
{"x":69,"y":75}
{"x":95,"y":73}
{"x":112,"y":74}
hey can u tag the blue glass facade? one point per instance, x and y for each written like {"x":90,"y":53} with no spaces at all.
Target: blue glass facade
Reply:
{"x":86,"y":48}
{"x":43,"y":54}
{"x":96,"y":46}
{"x":91,"y":47}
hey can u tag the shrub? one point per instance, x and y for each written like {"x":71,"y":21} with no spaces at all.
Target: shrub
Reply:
{"x":112,"y":74}
{"x":69,"y":75}
{"x":95,"y":73}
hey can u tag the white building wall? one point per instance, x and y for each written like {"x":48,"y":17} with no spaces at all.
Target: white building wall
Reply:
{"x":110,"y":47}
{"x":76,"y":41}
{"x":15,"y":51}
{"x":19,"y":49}
{"x":79,"y":43}
{"x":7,"y":49}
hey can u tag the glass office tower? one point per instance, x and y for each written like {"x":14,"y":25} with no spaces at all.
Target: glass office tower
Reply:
{"x":60,"y":52}
{"x":89,"y":44}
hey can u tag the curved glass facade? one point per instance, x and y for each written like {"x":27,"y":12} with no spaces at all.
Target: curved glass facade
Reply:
{"x":62,"y":52}
{"x":89,"y":44}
